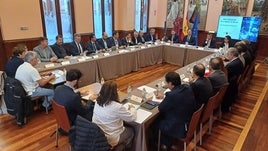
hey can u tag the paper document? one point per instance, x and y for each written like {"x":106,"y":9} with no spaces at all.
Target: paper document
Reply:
{"x":127,"y":104}
{"x":142,"y":115}
{"x":148,"y":89}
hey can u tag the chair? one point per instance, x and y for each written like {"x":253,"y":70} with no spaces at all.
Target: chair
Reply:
{"x":38,"y":98}
{"x":61,"y":118}
{"x":208,"y":114}
{"x":191,"y":129}
{"x":220,"y":98}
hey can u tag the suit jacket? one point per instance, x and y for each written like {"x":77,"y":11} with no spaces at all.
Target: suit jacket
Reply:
{"x":148,"y":37}
{"x":234,"y":68}
{"x":175,"y":38}
{"x":126,"y":43}
{"x":247,"y":58}
{"x":176,"y":111}
{"x":217,"y":80}
{"x":141,"y":39}
{"x":191,"y":41}
{"x":65,"y":96}
{"x":202,"y":89}
{"x":59,"y":50}
{"x":90,"y":47}
{"x":44,"y":54}
{"x":102,"y":45}
{"x":212,"y":43}
{"x":112,"y":42}
{"x":74,"y":49}
{"x":135,"y":41}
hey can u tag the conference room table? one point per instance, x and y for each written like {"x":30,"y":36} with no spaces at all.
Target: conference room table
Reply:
{"x":132,"y":59}
{"x":112,"y":64}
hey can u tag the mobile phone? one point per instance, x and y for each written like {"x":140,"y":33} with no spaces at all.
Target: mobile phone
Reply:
{"x":152,"y":103}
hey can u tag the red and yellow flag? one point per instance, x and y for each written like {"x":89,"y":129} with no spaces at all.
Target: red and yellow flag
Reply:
{"x":185,"y":27}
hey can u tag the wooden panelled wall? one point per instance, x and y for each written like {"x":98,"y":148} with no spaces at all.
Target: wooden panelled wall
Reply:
{"x":6,"y":46}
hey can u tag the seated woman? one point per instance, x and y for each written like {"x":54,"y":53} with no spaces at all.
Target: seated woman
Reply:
{"x":109,"y":115}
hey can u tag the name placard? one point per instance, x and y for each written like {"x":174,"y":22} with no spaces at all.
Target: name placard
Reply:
{"x":142,"y":47}
{"x":149,"y":45}
{"x":81,"y":59}
{"x":65,"y":62}
{"x":182,"y":76}
{"x":106,"y":54}
{"x":95,"y":56}
{"x":49,"y":65}
{"x":132,"y":49}
{"x":136,"y":98}
{"x":200,"y":48}
{"x":167,"y":44}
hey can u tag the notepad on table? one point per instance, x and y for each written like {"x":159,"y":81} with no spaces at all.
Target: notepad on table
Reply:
{"x":142,"y":115}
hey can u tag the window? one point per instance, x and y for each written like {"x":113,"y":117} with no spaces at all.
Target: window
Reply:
{"x":103,"y":21}
{"x":57,"y":19}
{"x":141,"y":16}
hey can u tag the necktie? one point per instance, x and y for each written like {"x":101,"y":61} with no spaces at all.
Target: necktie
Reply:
{"x":79,"y":47}
{"x":105,"y":44}
{"x":94,"y":46}
{"x":115,"y":42}
{"x":172,"y":38}
{"x":152,"y":38}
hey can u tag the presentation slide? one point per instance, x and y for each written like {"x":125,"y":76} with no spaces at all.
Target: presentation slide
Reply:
{"x":239,"y":27}
{"x":229,"y":25}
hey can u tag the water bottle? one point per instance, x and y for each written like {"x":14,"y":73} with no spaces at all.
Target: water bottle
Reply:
{"x":144,"y":94}
{"x":102,"y":81}
{"x":64,"y":73}
{"x":129,"y":92}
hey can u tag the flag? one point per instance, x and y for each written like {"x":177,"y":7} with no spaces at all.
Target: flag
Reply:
{"x":195,"y":29}
{"x":185,"y":27}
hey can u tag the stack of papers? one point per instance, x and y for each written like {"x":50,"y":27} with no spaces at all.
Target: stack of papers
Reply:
{"x":148,"y":89}
{"x":127,"y":104}
{"x":142,"y":115}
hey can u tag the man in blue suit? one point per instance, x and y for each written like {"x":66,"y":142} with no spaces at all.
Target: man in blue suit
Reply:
{"x":176,"y":109}
{"x":93,"y":46}
{"x":173,"y":37}
{"x":76,"y":47}
{"x":115,"y":41}
{"x":151,"y":36}
{"x":209,"y":42}
{"x":104,"y":42}
{"x":189,"y":39}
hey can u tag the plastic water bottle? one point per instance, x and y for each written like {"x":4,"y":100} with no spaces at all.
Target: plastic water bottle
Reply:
{"x":144,"y":94}
{"x":102,"y":81}
{"x":129,"y":89}
{"x":64,"y":73}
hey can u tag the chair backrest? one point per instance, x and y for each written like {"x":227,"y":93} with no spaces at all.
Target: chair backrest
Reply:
{"x":208,"y":109}
{"x":193,"y":124}
{"x":61,"y":116}
{"x":221,"y":95}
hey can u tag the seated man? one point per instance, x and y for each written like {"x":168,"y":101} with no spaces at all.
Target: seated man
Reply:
{"x":115,"y":41}
{"x":92,"y":46}
{"x":77,"y":47}
{"x":31,"y":79}
{"x":104,"y":42}
{"x":135,"y":40}
{"x":127,"y":41}
{"x":235,"y":69}
{"x":58,"y":49}
{"x":44,"y":52}
{"x":173,"y":37}
{"x":176,"y":109}
{"x":244,"y":54}
{"x":66,"y":96}
{"x":227,"y":42}
{"x":209,"y":42}
{"x":189,"y":39}
{"x":217,"y":77}
{"x":151,"y":36}
{"x":15,"y":61}
{"x":200,"y":85}
{"x":140,"y":37}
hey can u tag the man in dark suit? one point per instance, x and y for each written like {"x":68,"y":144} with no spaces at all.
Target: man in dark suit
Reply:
{"x":173,"y":37}
{"x":235,"y":69}
{"x":76,"y":47}
{"x":127,"y":40}
{"x":151,"y":36}
{"x":66,"y":96}
{"x":135,"y":40}
{"x":209,"y":42}
{"x":227,"y":42}
{"x":93,"y":46}
{"x":141,"y":39}
{"x":217,"y":77}
{"x":189,"y":39}
{"x":58,"y":49}
{"x":115,"y":41}
{"x":104,"y":42}
{"x":244,"y":53}
{"x":175,"y":110}
{"x":200,"y":85}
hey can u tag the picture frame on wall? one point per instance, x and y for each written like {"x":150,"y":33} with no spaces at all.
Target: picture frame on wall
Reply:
{"x":198,"y":6}
{"x":260,"y":10}
{"x":175,"y":12}
{"x":234,"y":7}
